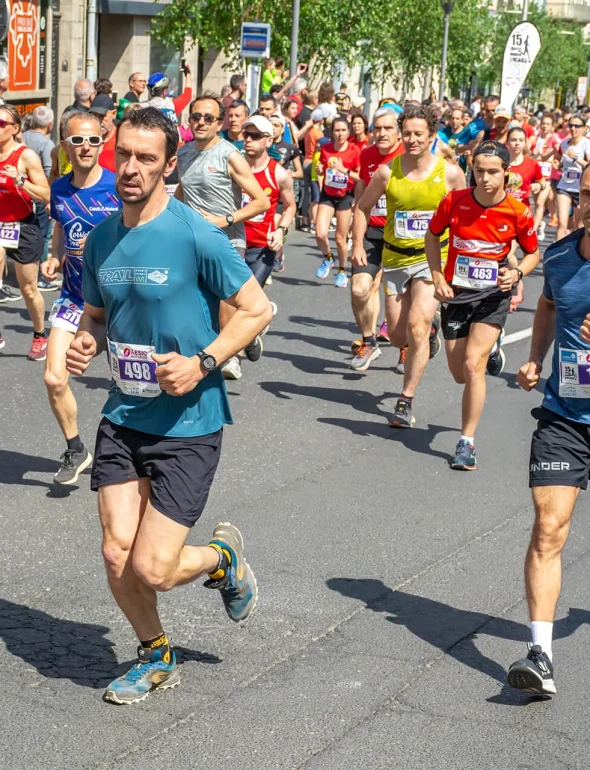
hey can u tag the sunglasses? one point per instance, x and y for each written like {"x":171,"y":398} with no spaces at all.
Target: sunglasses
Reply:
{"x":209,"y":119}
{"x":576,"y":125}
{"x":254,"y":135}
{"x":78,"y":141}
{"x":4,"y":123}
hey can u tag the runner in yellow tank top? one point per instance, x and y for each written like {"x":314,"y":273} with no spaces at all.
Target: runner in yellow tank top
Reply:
{"x":414,"y":184}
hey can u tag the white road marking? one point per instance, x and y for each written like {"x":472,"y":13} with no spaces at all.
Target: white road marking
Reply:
{"x":517,"y":336}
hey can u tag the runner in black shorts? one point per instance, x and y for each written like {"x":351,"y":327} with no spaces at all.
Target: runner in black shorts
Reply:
{"x":482,"y":222}
{"x":367,"y":238}
{"x":560,"y":448}
{"x":23,"y":183}
{"x":338,"y":168}
{"x":158,"y":447}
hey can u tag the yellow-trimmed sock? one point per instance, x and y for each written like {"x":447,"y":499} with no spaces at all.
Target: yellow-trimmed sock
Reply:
{"x":224,"y":562}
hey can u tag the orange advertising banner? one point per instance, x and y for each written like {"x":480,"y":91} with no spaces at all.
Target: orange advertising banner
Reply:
{"x":23,"y":45}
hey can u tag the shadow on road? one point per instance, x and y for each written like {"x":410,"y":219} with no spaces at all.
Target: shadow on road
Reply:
{"x":314,"y":323}
{"x":450,"y":629}
{"x":64,"y":649}
{"x":361,"y":400}
{"x":415,"y":440}
{"x":14,"y":466}
{"x":308,"y":364}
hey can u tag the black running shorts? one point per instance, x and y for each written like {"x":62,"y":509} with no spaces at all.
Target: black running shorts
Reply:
{"x":373,"y":245}
{"x":180,"y":470}
{"x":260,"y":260}
{"x":342,"y":203}
{"x":30,"y":244}
{"x":560,"y":451}
{"x":456,"y":319}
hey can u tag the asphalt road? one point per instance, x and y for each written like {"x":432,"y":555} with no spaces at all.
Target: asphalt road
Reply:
{"x":391,"y":592}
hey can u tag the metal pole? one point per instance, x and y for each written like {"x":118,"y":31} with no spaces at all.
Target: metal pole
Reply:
{"x":294,"y":37}
{"x":525,"y":10}
{"x":91,"y":53}
{"x":443,"y":66}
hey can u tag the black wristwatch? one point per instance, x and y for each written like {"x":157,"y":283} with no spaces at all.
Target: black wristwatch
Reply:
{"x":208,"y":362}
{"x":230,"y":219}
{"x":520,"y":273}
{"x":284,"y":229}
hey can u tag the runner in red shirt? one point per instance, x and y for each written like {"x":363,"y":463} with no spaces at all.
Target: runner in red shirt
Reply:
{"x":360,"y":131}
{"x":367,"y":234}
{"x":263,"y":238}
{"x":338,"y":166}
{"x":22,"y":183}
{"x":475,"y":287}
{"x":525,"y":175}
{"x":544,"y":149}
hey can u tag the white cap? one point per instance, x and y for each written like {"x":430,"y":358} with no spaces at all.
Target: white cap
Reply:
{"x":279,"y":117}
{"x":318,"y":114}
{"x":261,"y":123}
{"x":358,"y":101}
{"x":502,"y":112}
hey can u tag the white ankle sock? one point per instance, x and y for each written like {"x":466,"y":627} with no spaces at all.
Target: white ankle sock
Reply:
{"x":1,"y":283}
{"x":467,"y":438}
{"x":542,"y":633}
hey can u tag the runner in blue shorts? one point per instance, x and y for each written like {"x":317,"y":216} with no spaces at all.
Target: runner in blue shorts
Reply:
{"x":79,"y":201}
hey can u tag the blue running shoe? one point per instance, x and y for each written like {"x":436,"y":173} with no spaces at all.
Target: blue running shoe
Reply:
{"x":152,"y":672}
{"x":236,"y":581}
{"x":323,"y":270}
{"x":464,"y":459}
{"x":341,"y":281}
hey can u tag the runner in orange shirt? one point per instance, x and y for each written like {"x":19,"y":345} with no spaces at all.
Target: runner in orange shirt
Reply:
{"x":475,"y":286}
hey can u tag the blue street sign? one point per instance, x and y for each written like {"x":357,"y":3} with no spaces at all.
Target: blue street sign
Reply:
{"x":255,"y":40}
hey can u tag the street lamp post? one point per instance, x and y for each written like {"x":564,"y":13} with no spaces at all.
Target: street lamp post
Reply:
{"x":448,"y":9}
{"x":294,"y":37}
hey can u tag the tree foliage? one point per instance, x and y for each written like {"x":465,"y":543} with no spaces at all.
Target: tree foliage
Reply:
{"x":562,"y":58}
{"x":400,"y":41}
{"x":395,"y":40}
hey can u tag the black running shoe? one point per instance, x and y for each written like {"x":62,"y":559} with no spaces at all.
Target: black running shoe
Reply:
{"x":533,"y":674}
{"x":254,"y":350}
{"x":73,"y":463}
{"x":434,"y":341}
{"x":497,"y":360}
{"x":402,"y":416}
{"x":9,"y":295}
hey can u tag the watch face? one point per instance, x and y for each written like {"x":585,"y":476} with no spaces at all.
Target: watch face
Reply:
{"x":209,"y":363}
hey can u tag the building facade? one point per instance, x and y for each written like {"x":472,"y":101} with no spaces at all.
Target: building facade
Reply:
{"x":53,"y":43}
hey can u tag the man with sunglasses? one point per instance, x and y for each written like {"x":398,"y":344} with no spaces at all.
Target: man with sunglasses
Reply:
{"x":239,"y":112}
{"x":79,"y":201}
{"x":264,"y":238}
{"x":212,"y":175}
{"x":574,"y":154}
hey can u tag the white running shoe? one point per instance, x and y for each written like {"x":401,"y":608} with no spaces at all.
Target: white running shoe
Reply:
{"x":232,"y":369}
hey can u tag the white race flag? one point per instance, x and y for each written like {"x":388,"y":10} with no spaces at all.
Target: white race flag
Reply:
{"x":522,"y":47}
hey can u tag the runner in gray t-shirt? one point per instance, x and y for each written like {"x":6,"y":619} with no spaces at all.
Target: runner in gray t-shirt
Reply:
{"x":213,"y":175}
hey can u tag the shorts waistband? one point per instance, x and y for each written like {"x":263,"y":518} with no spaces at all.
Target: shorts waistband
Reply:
{"x":410,"y":251}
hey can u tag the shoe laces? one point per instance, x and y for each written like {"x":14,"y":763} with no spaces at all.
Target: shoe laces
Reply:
{"x":38,"y":343}
{"x":66,"y":457}
{"x":135,"y":672}
{"x":402,"y":408}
